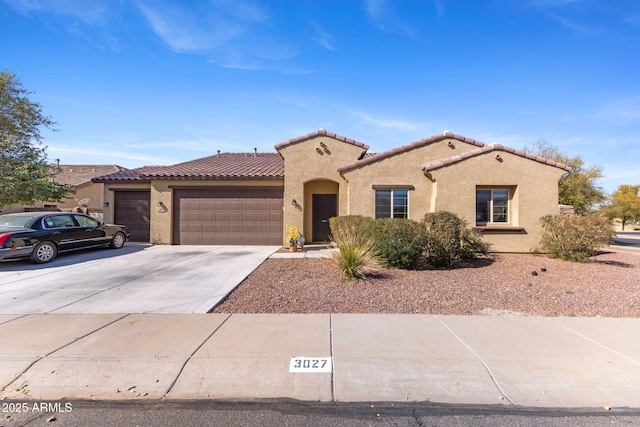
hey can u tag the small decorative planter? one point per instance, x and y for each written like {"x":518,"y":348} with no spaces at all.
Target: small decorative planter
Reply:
{"x":293,"y":249}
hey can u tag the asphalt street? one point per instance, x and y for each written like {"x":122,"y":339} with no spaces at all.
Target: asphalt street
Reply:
{"x":278,"y":414}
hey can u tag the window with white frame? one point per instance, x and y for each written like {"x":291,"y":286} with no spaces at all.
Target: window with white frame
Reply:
{"x":392,"y":203}
{"x":492,"y":206}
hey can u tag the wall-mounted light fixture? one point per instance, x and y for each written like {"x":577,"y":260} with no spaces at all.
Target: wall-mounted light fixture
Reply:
{"x":106,"y":204}
{"x":162,"y":208}
{"x":294,"y":202}
{"x":498,"y":158}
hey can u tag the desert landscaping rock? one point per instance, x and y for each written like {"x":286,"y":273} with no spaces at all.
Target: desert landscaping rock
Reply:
{"x":607,"y":286}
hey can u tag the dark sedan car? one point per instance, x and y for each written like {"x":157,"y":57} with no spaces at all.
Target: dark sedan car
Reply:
{"x":41,"y":235}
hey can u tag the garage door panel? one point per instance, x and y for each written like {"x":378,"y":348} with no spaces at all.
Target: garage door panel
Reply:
{"x":133,"y":209}
{"x":228,"y":216}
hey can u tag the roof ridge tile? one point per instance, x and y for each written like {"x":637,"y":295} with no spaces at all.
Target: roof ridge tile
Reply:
{"x":321,"y":132}
{"x":493,"y":147}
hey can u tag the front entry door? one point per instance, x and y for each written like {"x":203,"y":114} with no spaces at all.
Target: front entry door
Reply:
{"x":324,"y":207}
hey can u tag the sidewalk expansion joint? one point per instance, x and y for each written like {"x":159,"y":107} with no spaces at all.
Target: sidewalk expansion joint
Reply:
{"x":333,"y":365}
{"x":14,"y":319}
{"x":24,"y":371}
{"x":184,"y":365}
{"x":635,"y":362}
{"x":477,"y":356}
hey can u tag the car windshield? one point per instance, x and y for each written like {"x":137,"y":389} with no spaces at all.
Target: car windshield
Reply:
{"x":14,"y":220}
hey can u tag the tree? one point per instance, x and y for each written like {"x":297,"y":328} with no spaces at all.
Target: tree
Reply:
{"x":579,"y":188}
{"x":25,"y":172}
{"x":624,"y":204}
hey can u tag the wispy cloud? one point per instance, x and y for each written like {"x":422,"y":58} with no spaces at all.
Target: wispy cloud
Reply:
{"x":386,"y":123}
{"x":619,"y":112}
{"x":232,"y":34}
{"x":322,"y":37}
{"x":439,"y":7}
{"x":90,"y":20}
{"x":634,"y":21}
{"x":89,"y":11}
{"x":554,"y":3}
{"x":382,"y":16}
{"x":377,"y":10}
{"x":124,"y":158}
{"x":201,"y":28}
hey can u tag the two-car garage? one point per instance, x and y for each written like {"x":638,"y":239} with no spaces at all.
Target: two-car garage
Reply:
{"x":209,"y":216}
{"x":228,"y":216}
{"x":226,"y":199}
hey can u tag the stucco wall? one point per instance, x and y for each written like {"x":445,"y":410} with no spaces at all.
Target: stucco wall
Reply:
{"x":303,"y":164}
{"x":94,"y":192}
{"x":401,"y":169}
{"x":534,"y":193}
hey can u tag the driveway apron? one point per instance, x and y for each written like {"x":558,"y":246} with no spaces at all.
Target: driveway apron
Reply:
{"x":152,"y":279}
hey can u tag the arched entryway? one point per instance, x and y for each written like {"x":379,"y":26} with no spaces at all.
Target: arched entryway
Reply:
{"x":321,"y":200}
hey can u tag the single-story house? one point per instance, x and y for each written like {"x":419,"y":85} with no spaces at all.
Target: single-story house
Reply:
{"x":88,"y":194}
{"x":252,"y":198}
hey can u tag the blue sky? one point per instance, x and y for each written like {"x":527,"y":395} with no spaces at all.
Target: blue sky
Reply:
{"x":151,"y":82}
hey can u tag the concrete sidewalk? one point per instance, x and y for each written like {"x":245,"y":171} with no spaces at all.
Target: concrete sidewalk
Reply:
{"x":522,"y":361}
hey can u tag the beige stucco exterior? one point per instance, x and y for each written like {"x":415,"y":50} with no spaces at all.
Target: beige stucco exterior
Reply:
{"x":532,"y":185}
{"x":311,"y":168}
{"x":533,"y":193}
{"x":441,"y":173}
{"x":401,"y":169}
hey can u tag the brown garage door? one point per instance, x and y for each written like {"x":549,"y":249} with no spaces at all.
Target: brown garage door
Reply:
{"x":133,"y":209}
{"x":228,"y":216}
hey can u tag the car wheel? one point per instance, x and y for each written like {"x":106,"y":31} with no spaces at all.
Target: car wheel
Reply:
{"x":118,"y":241}
{"x":44,"y":252}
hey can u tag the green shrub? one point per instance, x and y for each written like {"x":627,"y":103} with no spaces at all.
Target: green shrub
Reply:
{"x":400,"y":241}
{"x":471,"y":244}
{"x":361,"y":224}
{"x":575,"y":238}
{"x":450,"y":239}
{"x":357,"y":253}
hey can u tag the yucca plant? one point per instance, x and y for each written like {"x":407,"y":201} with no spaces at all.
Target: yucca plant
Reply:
{"x":356,"y":255}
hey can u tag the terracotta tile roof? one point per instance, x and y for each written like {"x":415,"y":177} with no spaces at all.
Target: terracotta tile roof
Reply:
{"x":366,"y":160}
{"x":492,"y":147}
{"x":408,"y":147}
{"x":226,"y":166}
{"x":321,"y":132}
{"x":137,"y":174}
{"x":222,"y":166}
{"x":78,"y":175}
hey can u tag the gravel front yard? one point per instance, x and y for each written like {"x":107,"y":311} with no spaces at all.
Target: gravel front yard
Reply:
{"x":608,"y":286}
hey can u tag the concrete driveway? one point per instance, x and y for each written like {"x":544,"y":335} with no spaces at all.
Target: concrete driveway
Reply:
{"x":139,"y":278}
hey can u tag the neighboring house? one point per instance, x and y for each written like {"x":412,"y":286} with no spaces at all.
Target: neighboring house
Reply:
{"x":87,"y":192}
{"x":252,"y":198}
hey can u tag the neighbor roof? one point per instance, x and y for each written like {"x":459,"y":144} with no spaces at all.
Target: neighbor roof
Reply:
{"x":137,"y":174}
{"x":78,"y":175}
{"x":220,"y":166}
